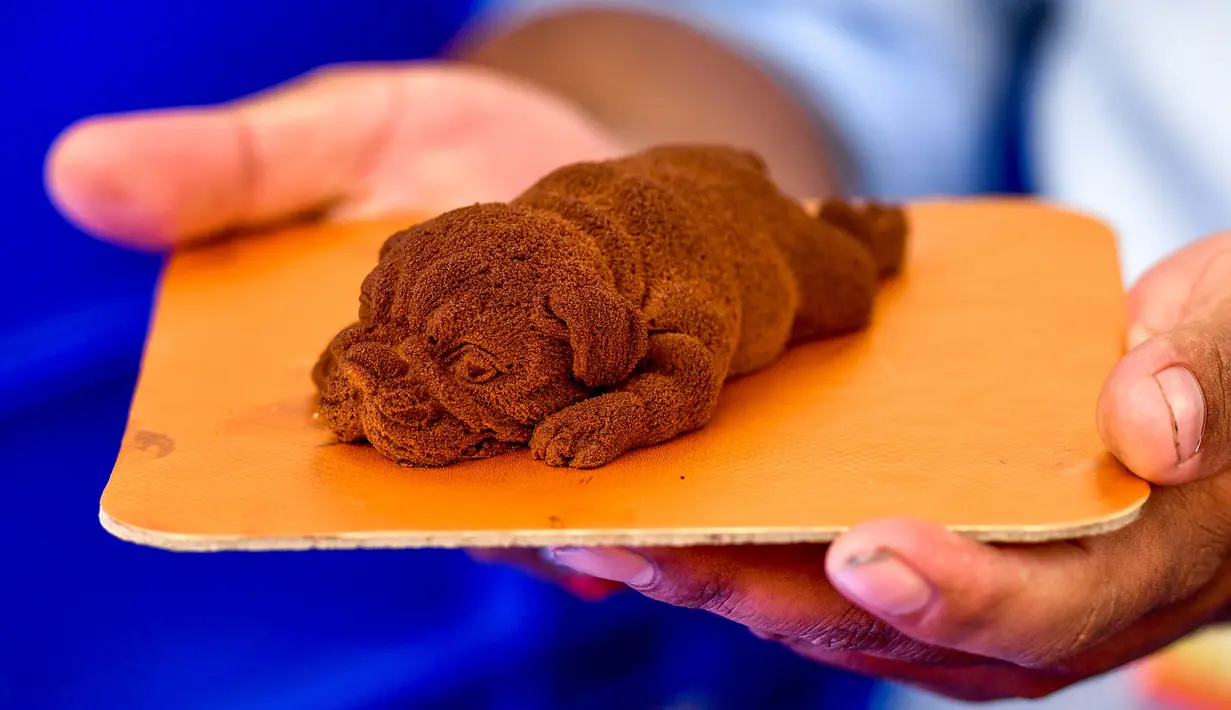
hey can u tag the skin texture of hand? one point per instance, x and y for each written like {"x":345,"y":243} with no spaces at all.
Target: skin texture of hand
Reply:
{"x":343,"y":142}
{"x":909,"y":601}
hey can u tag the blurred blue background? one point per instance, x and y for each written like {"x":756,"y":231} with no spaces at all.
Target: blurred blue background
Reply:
{"x":90,"y":622}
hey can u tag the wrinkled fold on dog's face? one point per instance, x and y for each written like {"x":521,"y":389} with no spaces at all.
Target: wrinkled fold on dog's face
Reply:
{"x":466,"y":337}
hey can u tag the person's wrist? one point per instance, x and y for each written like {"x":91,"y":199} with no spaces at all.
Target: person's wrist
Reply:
{"x":649,"y":79}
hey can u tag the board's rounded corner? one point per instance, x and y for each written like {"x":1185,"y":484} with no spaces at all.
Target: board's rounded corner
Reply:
{"x":138,"y":535}
{"x":1042,"y":534}
{"x":119,"y":530}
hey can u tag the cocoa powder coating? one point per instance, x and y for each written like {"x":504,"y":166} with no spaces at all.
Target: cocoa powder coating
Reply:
{"x":600,"y":311}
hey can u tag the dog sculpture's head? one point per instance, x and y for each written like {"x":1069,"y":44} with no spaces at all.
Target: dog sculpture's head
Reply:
{"x":472,"y":328}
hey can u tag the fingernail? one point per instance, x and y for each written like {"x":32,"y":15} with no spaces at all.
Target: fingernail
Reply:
{"x":1185,"y":400}
{"x":548,"y":555}
{"x":883,"y":584}
{"x":615,"y":564}
{"x":1137,"y":335}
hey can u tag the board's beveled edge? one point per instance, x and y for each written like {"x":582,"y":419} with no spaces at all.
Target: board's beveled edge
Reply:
{"x":183,"y":542}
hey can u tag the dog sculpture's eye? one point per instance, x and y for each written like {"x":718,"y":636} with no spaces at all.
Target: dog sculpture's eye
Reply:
{"x":473,"y":365}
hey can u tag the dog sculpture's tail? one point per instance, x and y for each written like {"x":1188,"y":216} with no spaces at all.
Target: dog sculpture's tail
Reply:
{"x":881,"y":228}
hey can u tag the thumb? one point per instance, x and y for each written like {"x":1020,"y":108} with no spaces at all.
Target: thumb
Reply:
{"x":1163,"y":410}
{"x":152,"y":178}
{"x":1036,"y":606}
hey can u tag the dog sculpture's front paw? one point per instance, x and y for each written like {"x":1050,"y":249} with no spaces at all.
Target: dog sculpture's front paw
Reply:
{"x":590,"y":433}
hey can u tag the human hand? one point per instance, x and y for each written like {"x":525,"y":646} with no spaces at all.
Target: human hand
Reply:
{"x":346,"y":142}
{"x":912,"y":602}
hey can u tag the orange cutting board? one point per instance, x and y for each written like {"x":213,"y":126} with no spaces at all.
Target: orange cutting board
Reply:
{"x":968,"y":402}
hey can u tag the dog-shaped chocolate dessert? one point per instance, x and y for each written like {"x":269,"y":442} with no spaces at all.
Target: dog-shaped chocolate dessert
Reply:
{"x":600,"y":311}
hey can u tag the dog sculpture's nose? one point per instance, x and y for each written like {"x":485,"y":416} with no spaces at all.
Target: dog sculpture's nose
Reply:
{"x":410,"y":404}
{"x":358,"y":377}
{"x":418,"y":415}
{"x":368,"y":364}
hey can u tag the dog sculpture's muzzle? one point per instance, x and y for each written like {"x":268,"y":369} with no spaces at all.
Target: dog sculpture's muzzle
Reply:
{"x":408,"y":407}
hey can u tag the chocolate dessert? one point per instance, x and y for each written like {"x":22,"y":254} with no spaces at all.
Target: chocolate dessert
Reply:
{"x":600,"y":311}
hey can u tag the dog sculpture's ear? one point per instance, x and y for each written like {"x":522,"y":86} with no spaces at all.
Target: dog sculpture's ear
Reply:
{"x":607,"y":333}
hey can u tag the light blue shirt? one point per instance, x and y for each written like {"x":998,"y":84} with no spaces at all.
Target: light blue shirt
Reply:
{"x":1125,"y":114}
